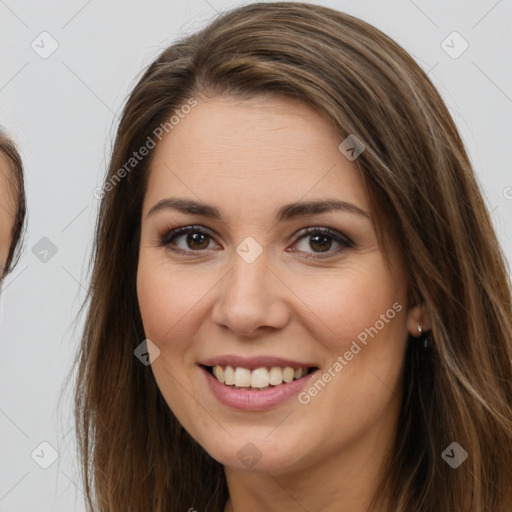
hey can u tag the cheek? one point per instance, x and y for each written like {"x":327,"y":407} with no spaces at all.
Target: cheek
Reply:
{"x":170,"y":302}
{"x":6,"y":225}
{"x":162,"y":301}
{"x":166,"y":302}
{"x":336,"y":308}
{"x":354,"y":304}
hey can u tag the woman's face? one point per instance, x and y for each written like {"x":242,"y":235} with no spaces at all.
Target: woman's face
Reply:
{"x":249,"y":289}
{"x":7,"y":212}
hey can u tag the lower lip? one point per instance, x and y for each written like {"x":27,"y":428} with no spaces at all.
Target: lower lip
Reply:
{"x":255,"y":400}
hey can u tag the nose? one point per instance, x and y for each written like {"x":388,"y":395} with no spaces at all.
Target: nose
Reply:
{"x":251,"y":298}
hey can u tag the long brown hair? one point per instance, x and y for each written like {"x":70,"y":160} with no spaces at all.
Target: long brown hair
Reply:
{"x":9,"y":150}
{"x":135,"y":455}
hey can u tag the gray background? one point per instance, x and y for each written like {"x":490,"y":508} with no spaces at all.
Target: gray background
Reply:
{"x":62,"y":110}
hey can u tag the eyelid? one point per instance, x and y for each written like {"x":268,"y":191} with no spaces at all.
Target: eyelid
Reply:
{"x":333,"y":233}
{"x":175,"y":231}
{"x":344,"y":241}
{"x":337,"y":236}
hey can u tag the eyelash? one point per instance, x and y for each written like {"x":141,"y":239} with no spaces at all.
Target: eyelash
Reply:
{"x":344,"y":241}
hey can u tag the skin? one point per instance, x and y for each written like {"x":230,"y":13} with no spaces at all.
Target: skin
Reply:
{"x":7,"y":212}
{"x":248,"y":158}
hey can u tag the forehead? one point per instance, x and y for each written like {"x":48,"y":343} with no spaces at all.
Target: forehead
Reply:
{"x":250,"y":153}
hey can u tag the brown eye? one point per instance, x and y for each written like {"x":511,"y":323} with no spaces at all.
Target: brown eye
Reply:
{"x":195,"y":239}
{"x":321,"y":240}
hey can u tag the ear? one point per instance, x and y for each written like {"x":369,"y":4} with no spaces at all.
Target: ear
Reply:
{"x":418,"y":315}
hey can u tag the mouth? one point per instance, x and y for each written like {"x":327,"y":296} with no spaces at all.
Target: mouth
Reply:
{"x":257,"y":379}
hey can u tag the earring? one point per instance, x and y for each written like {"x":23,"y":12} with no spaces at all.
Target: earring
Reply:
{"x":423,"y":337}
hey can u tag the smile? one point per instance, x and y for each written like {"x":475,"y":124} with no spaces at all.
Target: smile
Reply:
{"x":258,"y":379}
{"x":255,"y":384}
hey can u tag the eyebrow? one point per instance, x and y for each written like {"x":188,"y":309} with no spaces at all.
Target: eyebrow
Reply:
{"x":286,"y":212}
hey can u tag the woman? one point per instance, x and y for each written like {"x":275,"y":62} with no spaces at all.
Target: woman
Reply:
{"x":298,"y":301}
{"x":13,"y":204}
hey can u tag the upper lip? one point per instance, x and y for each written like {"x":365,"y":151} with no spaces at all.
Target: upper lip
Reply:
{"x":252,"y":363}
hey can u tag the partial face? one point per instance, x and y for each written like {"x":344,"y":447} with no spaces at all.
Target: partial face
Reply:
{"x":268,"y":291}
{"x":7,"y":211}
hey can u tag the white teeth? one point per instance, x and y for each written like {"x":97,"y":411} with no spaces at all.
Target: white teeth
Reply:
{"x":229,"y":376}
{"x":242,"y":377}
{"x":276,"y":375}
{"x":288,"y":374}
{"x":258,"y":378}
{"x":219,"y":373}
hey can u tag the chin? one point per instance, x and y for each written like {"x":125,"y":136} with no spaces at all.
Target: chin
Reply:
{"x":259,"y":453}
